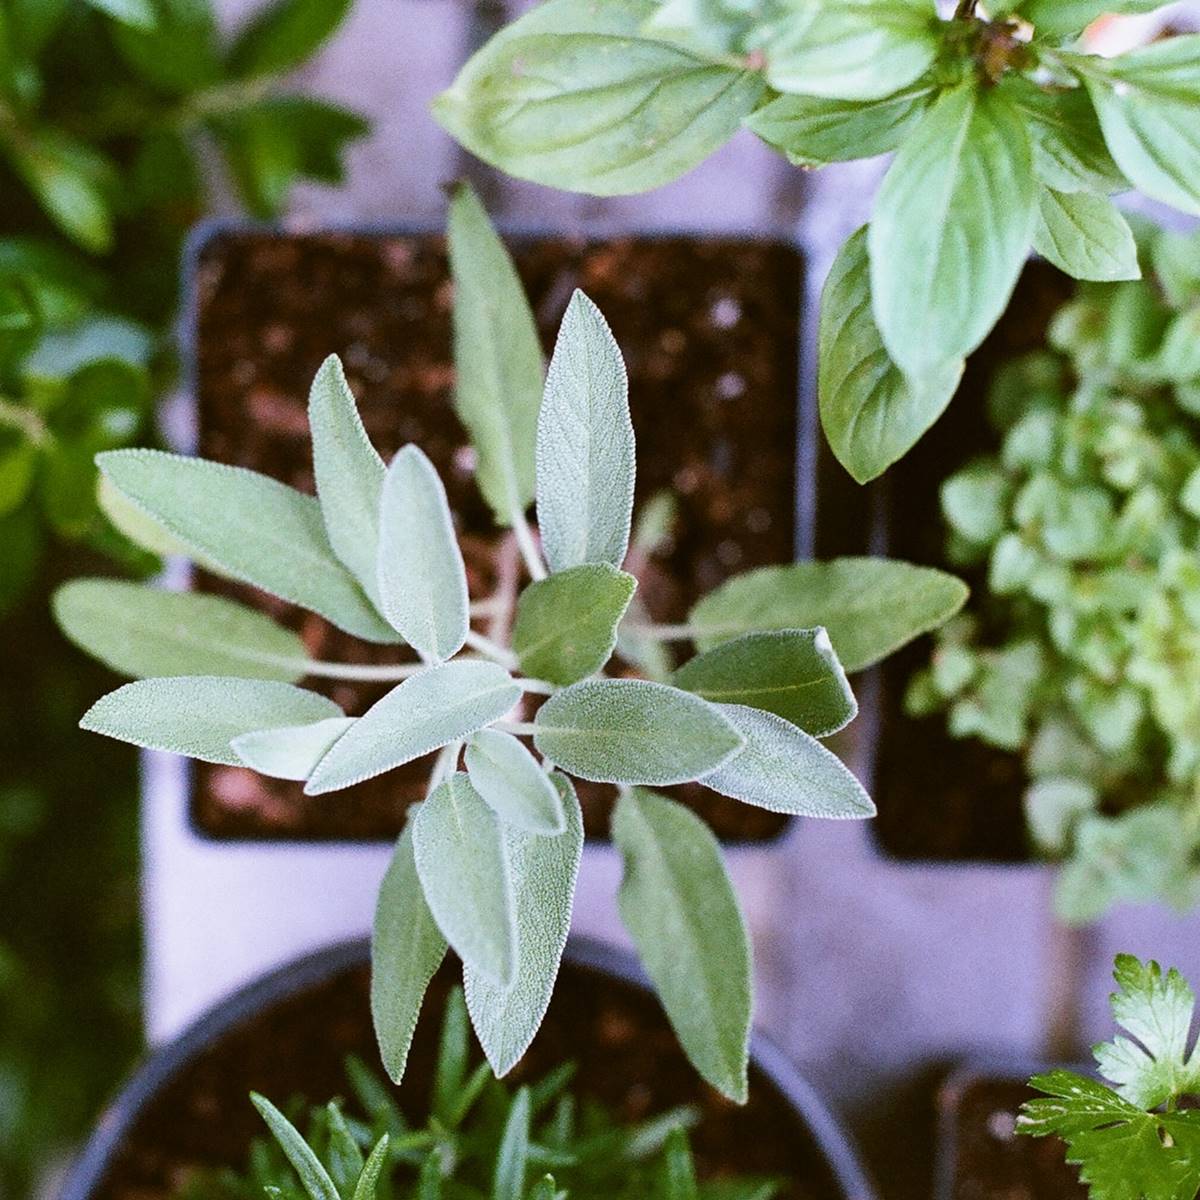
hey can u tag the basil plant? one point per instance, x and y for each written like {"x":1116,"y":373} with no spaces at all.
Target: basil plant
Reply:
{"x":1007,"y":136}
{"x":488,"y":862}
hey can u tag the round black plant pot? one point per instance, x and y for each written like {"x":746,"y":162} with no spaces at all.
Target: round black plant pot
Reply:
{"x":287,"y":1034}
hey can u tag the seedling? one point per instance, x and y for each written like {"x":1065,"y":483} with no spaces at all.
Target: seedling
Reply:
{"x":489,"y":861}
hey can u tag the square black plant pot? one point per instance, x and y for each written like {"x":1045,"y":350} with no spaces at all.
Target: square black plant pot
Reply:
{"x":711,"y":328}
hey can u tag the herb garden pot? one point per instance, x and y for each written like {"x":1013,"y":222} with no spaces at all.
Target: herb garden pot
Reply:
{"x":288,"y":1034}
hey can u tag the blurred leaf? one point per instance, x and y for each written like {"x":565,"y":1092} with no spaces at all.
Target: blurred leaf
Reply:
{"x":21,"y":547}
{"x":97,"y":339}
{"x":180,"y":54}
{"x":139,"y":14}
{"x":284,"y":34}
{"x":71,"y":182}
{"x":20,"y":323}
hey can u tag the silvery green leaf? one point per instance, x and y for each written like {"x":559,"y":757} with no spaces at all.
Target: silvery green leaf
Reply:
{"x":573,"y":95}
{"x":566,"y":624}
{"x":368,"y":1182}
{"x":463,"y":865}
{"x":254,"y":528}
{"x":512,"y":784}
{"x":634,"y":731}
{"x":144,"y":631}
{"x":680,"y":909}
{"x":508,"y":1177}
{"x":785,"y":770}
{"x":1085,"y":235}
{"x":869,"y":606}
{"x":349,"y":474}
{"x":422,"y":580}
{"x":793,"y":673}
{"x":199,"y":715}
{"x":291,"y":752}
{"x":543,"y":871}
{"x":407,"y":948}
{"x":872,"y":413}
{"x":1053,"y":806}
{"x":497,"y":357}
{"x":851,"y":50}
{"x":298,"y":1152}
{"x":585,"y":449}
{"x":1146,"y":101}
{"x":141,"y":529}
{"x":954,"y":219}
{"x":422,"y":714}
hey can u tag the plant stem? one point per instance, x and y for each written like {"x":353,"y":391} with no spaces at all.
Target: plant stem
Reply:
{"x":447,"y":760}
{"x":965,"y":10}
{"x":490,"y":649}
{"x":664,"y":633}
{"x":362,"y":673}
{"x":517,"y":728}
{"x":538,"y":686}
{"x":528,"y":547}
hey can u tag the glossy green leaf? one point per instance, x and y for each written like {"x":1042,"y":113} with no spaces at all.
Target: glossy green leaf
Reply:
{"x":566,"y":625}
{"x":349,"y":474}
{"x":253,"y":527}
{"x":680,"y":909}
{"x":543,"y":871}
{"x":1057,"y":18}
{"x":422,"y":579}
{"x":497,"y":356}
{"x":634,"y":731}
{"x":463,"y":865}
{"x":284,"y":34}
{"x":291,"y":752}
{"x":951,"y":229}
{"x":512,"y":784}
{"x":179,"y":54}
{"x":406,"y":950}
{"x":299,"y":1153}
{"x":574,"y":96}
{"x":872,"y":413}
{"x":143,"y":631}
{"x":585,"y":448}
{"x":785,"y":770}
{"x":425,"y":712}
{"x":1086,"y":236}
{"x":200,"y":715}
{"x":869,"y":606}
{"x":68,"y":178}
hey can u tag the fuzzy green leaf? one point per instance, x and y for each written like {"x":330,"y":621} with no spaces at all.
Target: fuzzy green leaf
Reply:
{"x":143,"y":631}
{"x":368,"y":1180}
{"x":349,"y":474}
{"x":678,"y":1172}
{"x":680,"y":909}
{"x":543,"y":871}
{"x":463,"y":865}
{"x":634,"y":731}
{"x":872,"y":413}
{"x":585,"y":448}
{"x":199,"y":715}
{"x":254,"y":528}
{"x":407,"y":948}
{"x":566,"y":626}
{"x":869,"y":606}
{"x":512,"y":784}
{"x":1085,"y":235}
{"x":953,"y":219}
{"x":283,"y":35}
{"x":785,"y":770}
{"x":424,"y":713}
{"x":291,"y":752}
{"x":508,"y":1182}
{"x":497,"y":356}
{"x":300,"y":1154}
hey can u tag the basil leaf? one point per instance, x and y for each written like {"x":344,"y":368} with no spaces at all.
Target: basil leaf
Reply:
{"x":291,"y":752}
{"x":1058,"y":18}
{"x":509,"y":780}
{"x":681,"y":911}
{"x":953,"y":220}
{"x":1086,"y":236}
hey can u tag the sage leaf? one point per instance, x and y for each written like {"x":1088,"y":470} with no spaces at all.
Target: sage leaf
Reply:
{"x":633,"y":731}
{"x":566,"y":624}
{"x":511,"y":783}
{"x":872,"y":413}
{"x":143,"y":631}
{"x":793,"y":673}
{"x":407,"y":948}
{"x":497,"y":357}
{"x":254,"y":528}
{"x":585,"y":448}
{"x":783,"y":769}
{"x":951,"y":229}
{"x":291,"y":752}
{"x":572,"y":95}
{"x":1146,"y":101}
{"x":508,"y":1180}
{"x":422,"y":714}
{"x":199,"y":715}
{"x":1058,"y":18}
{"x":463,"y":866}
{"x":814,"y":131}
{"x":349,"y":474}
{"x":1086,"y":236}
{"x":422,"y":579}
{"x":852,"y":50}
{"x":313,"y":1176}
{"x":869,"y":606}
{"x":141,"y":529}
{"x":544,"y":871}
{"x":680,"y":909}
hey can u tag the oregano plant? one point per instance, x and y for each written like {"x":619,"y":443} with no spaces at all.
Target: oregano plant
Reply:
{"x":488,"y":863}
{"x":1008,"y":136}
